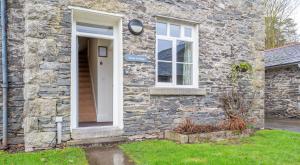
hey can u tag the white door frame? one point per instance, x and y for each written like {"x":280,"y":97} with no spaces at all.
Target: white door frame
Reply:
{"x":97,"y":17}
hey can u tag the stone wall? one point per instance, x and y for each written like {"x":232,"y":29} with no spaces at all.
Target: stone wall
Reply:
{"x":15,"y":50}
{"x":229,"y":31}
{"x":282,"y":92}
{"x":47,"y":72}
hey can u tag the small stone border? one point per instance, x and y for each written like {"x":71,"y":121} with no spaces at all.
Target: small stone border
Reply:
{"x":206,"y":137}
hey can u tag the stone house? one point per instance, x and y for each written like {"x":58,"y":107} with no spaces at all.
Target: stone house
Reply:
{"x":80,"y":69}
{"x":282,"y":75}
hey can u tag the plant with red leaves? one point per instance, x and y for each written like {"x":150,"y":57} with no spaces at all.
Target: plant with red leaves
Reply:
{"x":189,"y":127}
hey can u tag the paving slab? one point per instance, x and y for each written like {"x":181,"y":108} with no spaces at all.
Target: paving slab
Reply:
{"x":283,"y":124}
{"x":107,"y":156}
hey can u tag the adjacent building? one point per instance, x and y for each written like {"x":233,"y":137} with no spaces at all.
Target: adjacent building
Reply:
{"x":282,"y":99}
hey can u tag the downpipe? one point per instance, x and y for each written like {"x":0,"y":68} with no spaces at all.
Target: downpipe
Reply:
{"x":4,"y":72}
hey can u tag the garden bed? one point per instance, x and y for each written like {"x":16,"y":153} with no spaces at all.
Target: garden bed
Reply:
{"x":206,"y":137}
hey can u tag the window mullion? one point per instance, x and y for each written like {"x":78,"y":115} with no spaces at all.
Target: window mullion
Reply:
{"x":168,"y":29}
{"x":174,"y":62}
{"x":156,"y":60}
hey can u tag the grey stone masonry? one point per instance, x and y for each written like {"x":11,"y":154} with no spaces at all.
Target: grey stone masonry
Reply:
{"x":40,"y":57}
{"x":282,"y":99}
{"x":15,"y":50}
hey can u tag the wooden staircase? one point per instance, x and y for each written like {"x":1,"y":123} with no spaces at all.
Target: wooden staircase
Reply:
{"x":87,"y":111}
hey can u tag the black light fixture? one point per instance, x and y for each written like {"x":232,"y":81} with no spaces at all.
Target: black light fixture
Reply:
{"x":136,"y":27}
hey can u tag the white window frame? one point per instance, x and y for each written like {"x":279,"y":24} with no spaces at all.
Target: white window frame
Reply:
{"x":195,"y":51}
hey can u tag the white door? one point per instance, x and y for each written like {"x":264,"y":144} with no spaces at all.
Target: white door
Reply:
{"x":105,"y":82}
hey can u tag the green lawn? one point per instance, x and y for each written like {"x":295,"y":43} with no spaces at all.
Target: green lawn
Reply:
{"x":269,"y":147}
{"x":74,"y":156}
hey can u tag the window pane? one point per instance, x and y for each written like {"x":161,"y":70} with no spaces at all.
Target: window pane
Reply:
{"x":184,"y":74}
{"x":161,"y":28}
{"x":184,"y":52}
{"x":95,"y":29}
{"x":187,"y":32}
{"x":175,"y":31}
{"x":164,"y":72}
{"x":164,"y":50}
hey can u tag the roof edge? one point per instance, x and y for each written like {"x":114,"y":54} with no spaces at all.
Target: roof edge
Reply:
{"x":282,"y":65}
{"x":284,"y":46}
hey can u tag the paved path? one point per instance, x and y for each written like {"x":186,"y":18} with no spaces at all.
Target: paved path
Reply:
{"x":107,"y":156}
{"x":284,"y":124}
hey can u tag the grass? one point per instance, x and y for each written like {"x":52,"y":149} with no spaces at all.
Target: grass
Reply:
{"x":74,"y":156}
{"x":266,"y":147}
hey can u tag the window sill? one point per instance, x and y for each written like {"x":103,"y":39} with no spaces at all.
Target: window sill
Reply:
{"x":162,"y":91}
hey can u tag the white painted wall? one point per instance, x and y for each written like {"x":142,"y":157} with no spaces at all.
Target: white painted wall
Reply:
{"x":105,"y":83}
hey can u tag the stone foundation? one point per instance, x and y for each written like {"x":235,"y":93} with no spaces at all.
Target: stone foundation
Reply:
{"x":206,"y":137}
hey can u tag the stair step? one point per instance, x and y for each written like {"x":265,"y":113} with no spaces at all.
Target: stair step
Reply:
{"x":85,"y":87}
{"x":86,"y":90}
{"x":86,"y":100}
{"x":85,"y":83}
{"x":86,"y":105}
{"x":84,"y":74}
{"x":87,"y":111}
{"x":88,"y":119}
{"x":85,"y":95}
{"x":93,"y":141}
{"x":86,"y":78}
{"x":95,"y":132}
{"x":83,"y":69}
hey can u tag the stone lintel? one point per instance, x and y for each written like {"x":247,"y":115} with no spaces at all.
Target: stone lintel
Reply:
{"x":160,"y":91}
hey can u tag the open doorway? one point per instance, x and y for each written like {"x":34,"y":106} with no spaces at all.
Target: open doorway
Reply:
{"x":96,"y":72}
{"x":95,"y":59}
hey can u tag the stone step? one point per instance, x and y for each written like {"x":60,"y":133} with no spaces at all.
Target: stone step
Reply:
{"x":97,"y":141}
{"x":95,"y":132}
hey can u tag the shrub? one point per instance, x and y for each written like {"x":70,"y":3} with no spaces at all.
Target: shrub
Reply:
{"x":234,"y":124}
{"x":189,"y":127}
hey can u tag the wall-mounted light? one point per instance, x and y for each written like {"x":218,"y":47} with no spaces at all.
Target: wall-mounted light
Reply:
{"x":136,"y":27}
